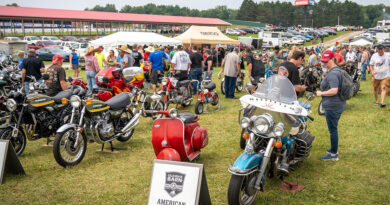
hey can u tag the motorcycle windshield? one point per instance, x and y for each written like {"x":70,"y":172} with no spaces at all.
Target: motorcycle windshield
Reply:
{"x":277,"y":88}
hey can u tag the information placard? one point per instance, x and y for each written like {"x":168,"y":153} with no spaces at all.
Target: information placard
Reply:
{"x":178,"y":183}
{"x":9,"y":162}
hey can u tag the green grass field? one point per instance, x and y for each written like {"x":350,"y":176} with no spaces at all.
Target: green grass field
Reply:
{"x":361,"y":176}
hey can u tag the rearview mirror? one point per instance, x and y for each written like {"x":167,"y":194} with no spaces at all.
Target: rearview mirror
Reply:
{"x":310,"y":96}
{"x":70,"y":79}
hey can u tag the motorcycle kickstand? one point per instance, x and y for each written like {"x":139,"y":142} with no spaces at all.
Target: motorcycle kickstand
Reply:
{"x":113,"y":148}
{"x":48,"y":140}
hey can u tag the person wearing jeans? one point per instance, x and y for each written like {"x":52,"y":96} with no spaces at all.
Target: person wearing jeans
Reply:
{"x":364,"y":63}
{"x":197,"y":64}
{"x":331,"y":101}
{"x":91,"y":68}
{"x":231,"y":68}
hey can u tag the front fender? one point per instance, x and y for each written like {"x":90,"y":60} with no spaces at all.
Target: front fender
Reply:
{"x":246,"y":163}
{"x":67,"y":126}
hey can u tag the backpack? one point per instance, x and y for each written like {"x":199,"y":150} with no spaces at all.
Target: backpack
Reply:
{"x":346,"y":91}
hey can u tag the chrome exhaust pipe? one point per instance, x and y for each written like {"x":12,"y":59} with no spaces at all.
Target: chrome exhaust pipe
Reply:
{"x":133,"y":122}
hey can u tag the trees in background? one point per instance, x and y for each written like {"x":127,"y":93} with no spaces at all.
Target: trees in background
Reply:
{"x":323,"y":13}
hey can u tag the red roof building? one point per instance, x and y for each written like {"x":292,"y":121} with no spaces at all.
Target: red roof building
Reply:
{"x":27,"y":13}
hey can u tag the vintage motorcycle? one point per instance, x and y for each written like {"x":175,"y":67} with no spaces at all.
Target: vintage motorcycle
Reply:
{"x":35,"y":116}
{"x":178,"y":137}
{"x":239,"y":83}
{"x":9,"y":80}
{"x":146,"y":101}
{"x":274,"y":126}
{"x":250,"y":89}
{"x":205,"y":95}
{"x":355,"y":74}
{"x":98,"y":121}
{"x":176,"y":92}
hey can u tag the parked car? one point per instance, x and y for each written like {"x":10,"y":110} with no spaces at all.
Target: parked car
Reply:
{"x":306,"y":35}
{"x":46,"y":54}
{"x":81,"y":48}
{"x":341,"y":28}
{"x":67,"y":45}
{"x":69,"y":38}
{"x":51,"y":38}
{"x":330,"y":31}
{"x":296,"y":39}
{"x":248,"y":30}
{"x":31,"y":39}
{"x":83,"y":40}
{"x":241,"y":31}
{"x":288,"y":35}
{"x":12,"y":39}
{"x":232,"y":32}
{"x":42,"y":44}
{"x":280,"y":29}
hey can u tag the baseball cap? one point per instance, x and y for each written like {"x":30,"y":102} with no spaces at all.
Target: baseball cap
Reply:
{"x":57,"y":59}
{"x":180,"y":47}
{"x":327,"y":55}
{"x":380,"y":46}
{"x":101,"y":47}
{"x":277,"y":48}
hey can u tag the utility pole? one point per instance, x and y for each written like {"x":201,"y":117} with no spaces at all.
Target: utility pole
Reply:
{"x":338,"y":20}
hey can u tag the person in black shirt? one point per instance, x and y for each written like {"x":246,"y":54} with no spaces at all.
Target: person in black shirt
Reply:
{"x":196,"y":67}
{"x":208,"y":66}
{"x":290,"y":70}
{"x":32,"y":66}
{"x":138,"y":59}
{"x":255,"y":66}
{"x":57,"y":77}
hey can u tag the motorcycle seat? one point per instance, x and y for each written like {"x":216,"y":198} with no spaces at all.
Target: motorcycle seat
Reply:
{"x":210,"y":86}
{"x":63,"y":94}
{"x":184,"y":83}
{"x":119,"y":101}
{"x":187,"y":117}
{"x":306,"y":105}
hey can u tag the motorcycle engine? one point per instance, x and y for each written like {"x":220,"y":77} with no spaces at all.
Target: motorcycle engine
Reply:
{"x":105,"y":126}
{"x":46,"y":123}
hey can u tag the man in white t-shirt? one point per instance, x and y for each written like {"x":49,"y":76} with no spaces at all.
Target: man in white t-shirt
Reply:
{"x":380,"y":69}
{"x":350,"y":57}
{"x":181,"y":64}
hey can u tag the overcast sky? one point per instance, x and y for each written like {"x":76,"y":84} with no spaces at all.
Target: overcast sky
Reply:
{"x":198,"y":4}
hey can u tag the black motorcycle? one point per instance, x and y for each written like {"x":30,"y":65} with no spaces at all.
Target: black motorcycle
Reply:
{"x":239,"y":83}
{"x":354,"y":72}
{"x":35,"y":116}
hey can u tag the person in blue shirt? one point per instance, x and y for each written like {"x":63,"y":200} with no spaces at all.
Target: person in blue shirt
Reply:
{"x":118,"y":62}
{"x":74,"y":63}
{"x":20,"y":60}
{"x":156,"y":60}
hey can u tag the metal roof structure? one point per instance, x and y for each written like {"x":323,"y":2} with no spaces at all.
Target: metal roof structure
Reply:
{"x":10,"y":12}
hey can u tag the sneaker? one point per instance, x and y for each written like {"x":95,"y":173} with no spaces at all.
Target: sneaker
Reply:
{"x":383,"y":105}
{"x":333,"y":157}
{"x":328,"y":151}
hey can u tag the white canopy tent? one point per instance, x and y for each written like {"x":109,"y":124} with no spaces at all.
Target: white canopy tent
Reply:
{"x":113,"y":41}
{"x":198,"y":35}
{"x":361,"y":42}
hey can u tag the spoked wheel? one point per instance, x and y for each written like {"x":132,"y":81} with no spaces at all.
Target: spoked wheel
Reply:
{"x":223,"y":86}
{"x":321,"y":110}
{"x":125,"y":118}
{"x":188,"y":94}
{"x":64,"y":149}
{"x":199,"y":107}
{"x":240,"y":85}
{"x":242,"y":189}
{"x":19,"y":143}
{"x":157,"y":105}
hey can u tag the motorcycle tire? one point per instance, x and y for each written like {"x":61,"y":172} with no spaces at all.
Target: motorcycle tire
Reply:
{"x":223,"y":86}
{"x":240,"y":86}
{"x":189,"y":91}
{"x":19,"y":143}
{"x":77,"y":153}
{"x":127,"y":136}
{"x":199,"y":107}
{"x":157,"y":105}
{"x":356,"y":87}
{"x":321,"y":110}
{"x":237,"y":185}
{"x":215,"y":100}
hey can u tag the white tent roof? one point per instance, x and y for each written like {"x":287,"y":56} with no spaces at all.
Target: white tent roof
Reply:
{"x":130,"y":38}
{"x":360,"y":42}
{"x":205,"y":35}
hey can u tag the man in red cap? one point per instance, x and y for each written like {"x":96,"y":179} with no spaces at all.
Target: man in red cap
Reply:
{"x":57,"y":77}
{"x":332,"y":103}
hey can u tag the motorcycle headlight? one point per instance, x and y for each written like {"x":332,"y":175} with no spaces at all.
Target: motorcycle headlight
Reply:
{"x":164,"y":82}
{"x":263,"y":124}
{"x":245,"y":122}
{"x":75,"y":101}
{"x":279,"y":129}
{"x":173,"y":113}
{"x":1,"y":77}
{"x":11,"y":105}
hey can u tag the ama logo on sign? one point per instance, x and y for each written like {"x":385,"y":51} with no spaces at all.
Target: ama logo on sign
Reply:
{"x":174,"y":183}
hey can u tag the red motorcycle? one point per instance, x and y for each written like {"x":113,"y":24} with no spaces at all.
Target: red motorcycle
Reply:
{"x":178,"y":137}
{"x":205,"y":95}
{"x":78,"y":81}
{"x":175,"y":92}
{"x":112,"y":81}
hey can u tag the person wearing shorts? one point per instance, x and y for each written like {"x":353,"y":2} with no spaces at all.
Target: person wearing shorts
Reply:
{"x":74,"y":59}
{"x":379,"y":66}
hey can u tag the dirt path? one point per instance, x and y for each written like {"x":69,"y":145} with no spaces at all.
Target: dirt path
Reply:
{"x":340,"y":39}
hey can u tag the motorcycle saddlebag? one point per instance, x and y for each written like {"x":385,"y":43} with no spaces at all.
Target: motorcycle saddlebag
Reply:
{"x":199,"y":138}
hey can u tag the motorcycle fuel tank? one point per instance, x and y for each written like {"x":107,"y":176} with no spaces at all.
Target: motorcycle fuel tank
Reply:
{"x":97,"y":106}
{"x":39,"y":100}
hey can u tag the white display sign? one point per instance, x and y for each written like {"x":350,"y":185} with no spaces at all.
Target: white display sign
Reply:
{"x":176,"y":183}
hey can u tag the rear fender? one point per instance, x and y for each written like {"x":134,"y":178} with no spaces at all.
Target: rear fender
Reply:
{"x":246,"y":163}
{"x":67,"y":126}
